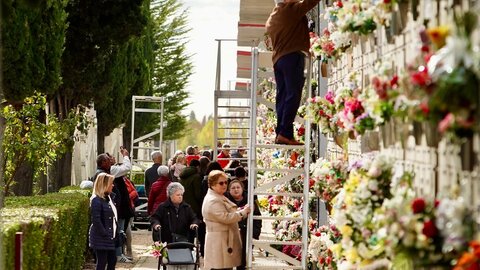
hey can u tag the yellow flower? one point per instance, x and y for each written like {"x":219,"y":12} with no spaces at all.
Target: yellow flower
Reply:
{"x":351,"y":255}
{"x":336,"y":250}
{"x":365,"y":262}
{"x":438,"y":35}
{"x":346,"y":231}
{"x":348,"y":200}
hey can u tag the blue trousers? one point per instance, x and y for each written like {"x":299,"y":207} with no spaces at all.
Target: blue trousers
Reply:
{"x":290,"y":80}
{"x":105,"y":258}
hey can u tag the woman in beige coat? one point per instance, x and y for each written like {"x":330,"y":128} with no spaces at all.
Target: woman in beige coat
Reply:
{"x":223,"y":245}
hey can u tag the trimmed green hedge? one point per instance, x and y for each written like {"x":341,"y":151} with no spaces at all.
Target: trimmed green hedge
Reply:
{"x":54,"y":226}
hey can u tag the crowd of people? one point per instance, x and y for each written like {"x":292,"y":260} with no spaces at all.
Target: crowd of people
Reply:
{"x":190,"y":196}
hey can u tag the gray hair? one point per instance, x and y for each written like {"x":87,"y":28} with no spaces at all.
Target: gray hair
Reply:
{"x":174,"y":187}
{"x":156,"y":154}
{"x":278,"y":1}
{"x":163,"y":170}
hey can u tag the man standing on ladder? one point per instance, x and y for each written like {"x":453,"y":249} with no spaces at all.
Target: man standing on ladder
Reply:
{"x":287,"y":28}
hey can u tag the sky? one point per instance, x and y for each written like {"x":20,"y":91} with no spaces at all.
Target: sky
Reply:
{"x":210,"y":20}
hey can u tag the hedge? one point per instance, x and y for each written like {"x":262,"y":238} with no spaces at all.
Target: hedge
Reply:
{"x":54,"y":230}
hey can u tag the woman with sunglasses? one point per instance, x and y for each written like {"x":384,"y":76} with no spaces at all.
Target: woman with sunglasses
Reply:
{"x":223,"y":245}
{"x":104,"y":228}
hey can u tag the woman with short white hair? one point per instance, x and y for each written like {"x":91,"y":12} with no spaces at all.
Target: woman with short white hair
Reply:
{"x":175,"y":217}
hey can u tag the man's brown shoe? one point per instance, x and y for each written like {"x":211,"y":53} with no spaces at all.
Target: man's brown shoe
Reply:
{"x":284,"y":140}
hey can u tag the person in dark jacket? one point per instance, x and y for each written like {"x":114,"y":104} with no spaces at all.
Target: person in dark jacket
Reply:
{"x":103,"y":230}
{"x":174,"y":215}
{"x":192,"y":182}
{"x":158,"y":193}
{"x":237,"y":194}
{"x":151,"y":174}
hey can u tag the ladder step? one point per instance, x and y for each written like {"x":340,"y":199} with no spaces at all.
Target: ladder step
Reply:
{"x":233,"y":128}
{"x":233,"y":107}
{"x":280,"y":194}
{"x":276,"y":242}
{"x":277,"y":218}
{"x":233,"y":117}
{"x":242,"y":94}
{"x":280,"y":146}
{"x":238,"y":138}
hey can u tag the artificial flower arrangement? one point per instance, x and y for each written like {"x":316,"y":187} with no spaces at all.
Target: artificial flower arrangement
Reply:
{"x":367,"y":186}
{"x":454,"y":103}
{"x":329,"y":177}
{"x":351,"y":115}
{"x":330,"y":45}
{"x":423,"y":233}
{"x":380,"y":96}
{"x":356,"y":17}
{"x":322,"y":111}
{"x":321,"y":239}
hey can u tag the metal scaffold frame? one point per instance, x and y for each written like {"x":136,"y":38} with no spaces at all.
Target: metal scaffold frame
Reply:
{"x":134,"y":155}
{"x":254,"y":190}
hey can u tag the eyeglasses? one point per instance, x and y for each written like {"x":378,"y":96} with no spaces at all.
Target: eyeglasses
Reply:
{"x":222,"y":183}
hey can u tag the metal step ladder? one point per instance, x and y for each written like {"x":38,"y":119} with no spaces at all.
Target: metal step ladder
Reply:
{"x":256,"y":188}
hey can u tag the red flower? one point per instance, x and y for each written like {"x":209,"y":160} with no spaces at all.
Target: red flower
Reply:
{"x":418,"y":205}
{"x":425,"y":49}
{"x":436,"y":203}
{"x":339,"y":4}
{"x":328,"y":260}
{"x":317,"y":234}
{"x":429,"y":229}
{"x":386,"y":1}
{"x":301,"y":131}
{"x":421,"y":77}
{"x":424,"y":107}
{"x":322,"y":260}
{"x":394,"y":81}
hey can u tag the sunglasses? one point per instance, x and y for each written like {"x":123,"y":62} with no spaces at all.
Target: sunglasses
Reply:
{"x":222,"y":183}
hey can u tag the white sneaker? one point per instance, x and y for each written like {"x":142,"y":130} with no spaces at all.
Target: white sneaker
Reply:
{"x":123,"y":259}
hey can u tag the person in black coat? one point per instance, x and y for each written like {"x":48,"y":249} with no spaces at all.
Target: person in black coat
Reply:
{"x":237,"y":194}
{"x":103,"y":230}
{"x":174,"y":216}
{"x":151,"y":174}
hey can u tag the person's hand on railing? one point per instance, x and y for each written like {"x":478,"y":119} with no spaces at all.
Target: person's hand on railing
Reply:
{"x":193,"y":226}
{"x":157,"y":227}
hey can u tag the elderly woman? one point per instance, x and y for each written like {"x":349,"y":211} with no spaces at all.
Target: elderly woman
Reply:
{"x":175,"y":217}
{"x":103,"y":230}
{"x":223,"y":246}
{"x":158,"y":191}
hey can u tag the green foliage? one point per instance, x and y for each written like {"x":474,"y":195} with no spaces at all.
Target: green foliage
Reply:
{"x":54,"y":230}
{"x":76,"y":189}
{"x":32,"y":46}
{"x":32,"y":136}
{"x":172,"y":67}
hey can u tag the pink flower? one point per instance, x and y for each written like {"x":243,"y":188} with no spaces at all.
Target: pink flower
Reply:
{"x":330,"y":97}
{"x":446,"y":123}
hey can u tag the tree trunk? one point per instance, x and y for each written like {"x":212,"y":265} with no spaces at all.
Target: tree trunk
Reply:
{"x":23,"y":180}
{"x":100,"y":142}
{"x":43,"y":184}
{"x":61,"y":172}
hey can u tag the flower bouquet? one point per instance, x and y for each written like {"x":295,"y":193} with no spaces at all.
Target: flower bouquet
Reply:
{"x":330,"y":45}
{"x":329,"y":177}
{"x":421,"y":233}
{"x":157,"y":250}
{"x":322,"y":111}
{"x":321,"y":240}
{"x":367,"y":186}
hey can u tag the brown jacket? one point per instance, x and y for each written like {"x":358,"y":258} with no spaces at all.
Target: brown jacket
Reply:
{"x":223,"y":245}
{"x":287,"y":28}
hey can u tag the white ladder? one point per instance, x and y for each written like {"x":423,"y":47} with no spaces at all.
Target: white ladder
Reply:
{"x":257,"y":189}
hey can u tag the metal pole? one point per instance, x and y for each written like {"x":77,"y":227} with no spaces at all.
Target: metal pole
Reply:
{"x":252,"y":164}
{"x":132,"y":133}
{"x":161,"y":124}
{"x":215,"y":105}
{"x":306,"y":178}
{"x":18,"y":251}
